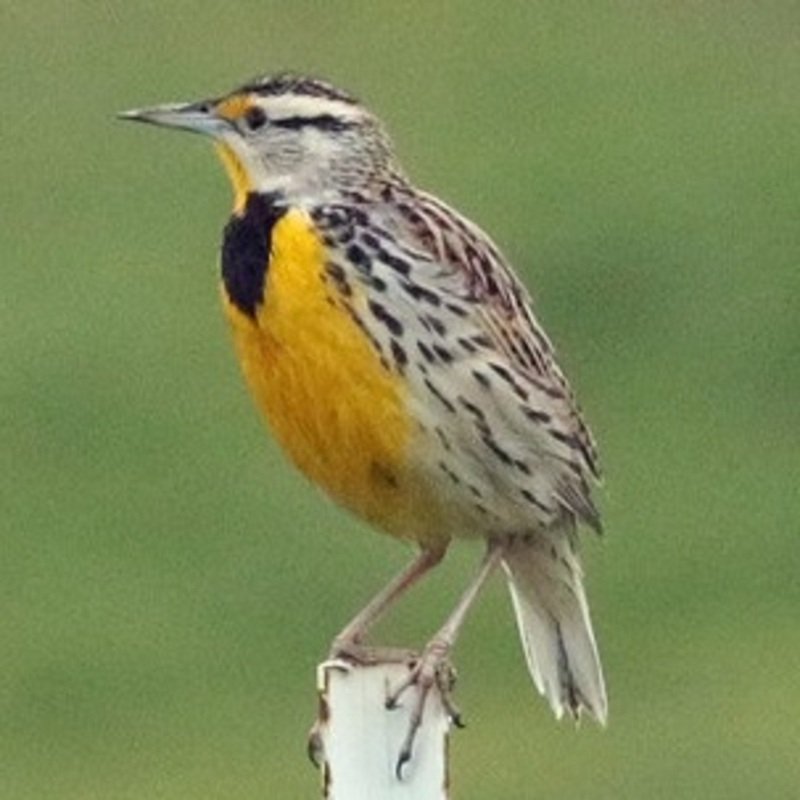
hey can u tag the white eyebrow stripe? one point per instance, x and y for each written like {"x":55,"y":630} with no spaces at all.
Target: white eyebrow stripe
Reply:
{"x":284,"y":106}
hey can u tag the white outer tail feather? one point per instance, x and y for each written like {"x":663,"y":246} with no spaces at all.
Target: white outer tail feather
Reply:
{"x":546,"y":583}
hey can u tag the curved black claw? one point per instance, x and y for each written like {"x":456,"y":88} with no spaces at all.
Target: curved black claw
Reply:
{"x":431,"y":669}
{"x":402,"y":760}
{"x":456,"y":719}
{"x":446,"y":682}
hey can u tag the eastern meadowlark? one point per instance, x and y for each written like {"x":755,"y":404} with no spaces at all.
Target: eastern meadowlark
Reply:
{"x":398,"y":362}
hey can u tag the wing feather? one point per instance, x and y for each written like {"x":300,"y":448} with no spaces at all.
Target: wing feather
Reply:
{"x":477,"y":271}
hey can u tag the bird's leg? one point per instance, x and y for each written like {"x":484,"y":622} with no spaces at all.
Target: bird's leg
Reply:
{"x":349,"y":646}
{"x":433,"y":667}
{"x":349,"y":643}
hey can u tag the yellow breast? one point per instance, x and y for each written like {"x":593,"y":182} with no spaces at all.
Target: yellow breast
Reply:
{"x":338,"y":412}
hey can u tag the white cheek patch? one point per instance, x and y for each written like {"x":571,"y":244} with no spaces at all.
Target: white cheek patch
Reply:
{"x":319,"y":145}
{"x":250,"y":158}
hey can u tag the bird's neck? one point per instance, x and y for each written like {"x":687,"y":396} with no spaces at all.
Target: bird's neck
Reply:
{"x":301,"y":188}
{"x":238,"y":175}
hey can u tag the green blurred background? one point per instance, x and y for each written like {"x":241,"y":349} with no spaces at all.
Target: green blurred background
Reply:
{"x":168,"y":583}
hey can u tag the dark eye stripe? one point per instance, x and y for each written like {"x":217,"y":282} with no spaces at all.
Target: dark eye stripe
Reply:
{"x":322,"y":122}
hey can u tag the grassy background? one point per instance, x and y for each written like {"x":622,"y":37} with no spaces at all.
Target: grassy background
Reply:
{"x":167,"y":584}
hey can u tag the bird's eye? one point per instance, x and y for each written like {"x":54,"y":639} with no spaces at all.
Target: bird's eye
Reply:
{"x":254,"y":118}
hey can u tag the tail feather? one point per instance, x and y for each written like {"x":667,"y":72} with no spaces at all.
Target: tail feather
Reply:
{"x":546,"y":584}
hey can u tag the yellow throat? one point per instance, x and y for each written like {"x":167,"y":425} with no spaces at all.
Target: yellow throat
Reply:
{"x":333,"y":405}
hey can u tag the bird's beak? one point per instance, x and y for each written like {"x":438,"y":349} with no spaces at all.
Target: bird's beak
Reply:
{"x":195,"y":117}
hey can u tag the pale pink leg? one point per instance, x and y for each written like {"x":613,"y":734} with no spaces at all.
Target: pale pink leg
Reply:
{"x":433,"y":668}
{"x":349,"y":642}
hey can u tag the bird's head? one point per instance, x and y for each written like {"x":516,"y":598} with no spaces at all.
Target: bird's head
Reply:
{"x":295,"y":135}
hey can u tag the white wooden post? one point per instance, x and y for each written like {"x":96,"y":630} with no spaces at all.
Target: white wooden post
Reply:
{"x":357,"y":740}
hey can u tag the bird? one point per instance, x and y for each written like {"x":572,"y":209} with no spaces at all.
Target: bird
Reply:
{"x":398,"y":361}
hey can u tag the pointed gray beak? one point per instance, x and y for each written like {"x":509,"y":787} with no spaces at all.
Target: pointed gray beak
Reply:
{"x":195,"y":117}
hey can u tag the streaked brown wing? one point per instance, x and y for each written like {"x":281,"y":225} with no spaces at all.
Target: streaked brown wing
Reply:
{"x":505,"y":308}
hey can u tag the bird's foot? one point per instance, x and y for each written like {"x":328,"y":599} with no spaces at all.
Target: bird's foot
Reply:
{"x":345,"y":655}
{"x":432,"y":668}
{"x":354,"y":652}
